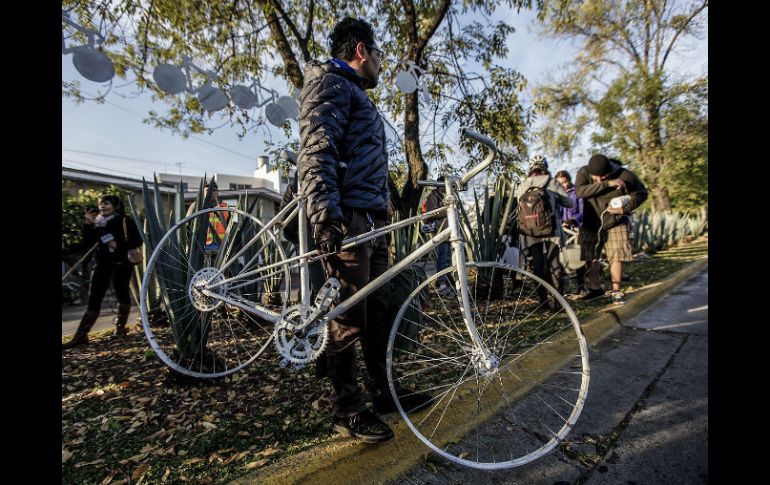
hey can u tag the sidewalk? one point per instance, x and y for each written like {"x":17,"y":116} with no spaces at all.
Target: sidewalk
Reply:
{"x":71,"y":315}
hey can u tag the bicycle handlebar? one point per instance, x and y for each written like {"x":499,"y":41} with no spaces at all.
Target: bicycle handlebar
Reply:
{"x":487,"y":161}
{"x":466,"y":133}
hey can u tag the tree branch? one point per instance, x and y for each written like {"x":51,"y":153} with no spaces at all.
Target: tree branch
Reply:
{"x":422,"y":43}
{"x":145,"y":42}
{"x":309,"y":29}
{"x":682,"y":29}
{"x":293,"y":28}
{"x":284,"y":48}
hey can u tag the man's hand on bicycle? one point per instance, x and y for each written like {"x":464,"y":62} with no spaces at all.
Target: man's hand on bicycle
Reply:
{"x":328,"y":237}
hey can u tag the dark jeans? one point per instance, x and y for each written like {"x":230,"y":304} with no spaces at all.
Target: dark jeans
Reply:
{"x":368,"y":321}
{"x":545,"y":264}
{"x":443,"y":258}
{"x":119,"y":274}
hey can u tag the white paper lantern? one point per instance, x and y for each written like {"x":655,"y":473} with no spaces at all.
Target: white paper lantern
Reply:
{"x":289,"y":107}
{"x":406,"y":82}
{"x":93,"y":64}
{"x":243,"y":97}
{"x":275,"y":114}
{"x":169,"y":78}
{"x":211,"y":98}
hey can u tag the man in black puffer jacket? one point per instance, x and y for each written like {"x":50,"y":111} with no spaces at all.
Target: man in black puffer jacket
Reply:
{"x":343,"y":170}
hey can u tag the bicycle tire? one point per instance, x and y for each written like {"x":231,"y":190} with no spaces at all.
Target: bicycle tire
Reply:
{"x":199,"y":336}
{"x":534,"y":396}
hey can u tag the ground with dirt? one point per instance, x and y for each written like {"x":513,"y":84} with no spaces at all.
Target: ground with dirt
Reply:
{"x":127,"y":419}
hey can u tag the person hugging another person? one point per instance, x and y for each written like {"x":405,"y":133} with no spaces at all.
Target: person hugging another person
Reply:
{"x":606,"y":227}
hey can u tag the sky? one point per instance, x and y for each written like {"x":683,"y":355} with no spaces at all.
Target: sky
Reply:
{"x":112,"y":138}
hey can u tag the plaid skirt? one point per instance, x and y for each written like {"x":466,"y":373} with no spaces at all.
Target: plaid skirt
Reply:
{"x":615,"y":241}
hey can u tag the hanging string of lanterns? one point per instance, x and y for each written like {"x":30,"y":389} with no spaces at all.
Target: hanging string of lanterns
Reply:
{"x":172,"y":79}
{"x":95,"y":66}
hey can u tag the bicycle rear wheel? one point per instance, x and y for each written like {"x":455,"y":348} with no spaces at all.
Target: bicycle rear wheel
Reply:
{"x":200,"y":335}
{"x":504,"y":409}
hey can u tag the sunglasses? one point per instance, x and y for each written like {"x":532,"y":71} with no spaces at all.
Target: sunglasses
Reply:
{"x":376,"y":49}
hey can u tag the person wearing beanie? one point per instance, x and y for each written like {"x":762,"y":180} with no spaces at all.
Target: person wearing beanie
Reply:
{"x":604,"y":227}
{"x":115,"y":233}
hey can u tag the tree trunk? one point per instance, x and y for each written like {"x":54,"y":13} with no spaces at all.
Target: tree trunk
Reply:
{"x":655,"y":161}
{"x":660,"y":199}
{"x":293,"y":70}
{"x":417,"y":168}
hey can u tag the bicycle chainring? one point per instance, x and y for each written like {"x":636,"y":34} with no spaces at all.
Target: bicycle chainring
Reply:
{"x":297,"y":349}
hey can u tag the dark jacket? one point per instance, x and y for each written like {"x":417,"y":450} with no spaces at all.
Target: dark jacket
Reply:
{"x":597,"y":196}
{"x":93,"y":234}
{"x":434,"y":201}
{"x":342,"y":160}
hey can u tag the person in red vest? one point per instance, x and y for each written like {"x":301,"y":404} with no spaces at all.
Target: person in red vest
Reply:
{"x":217,"y":219}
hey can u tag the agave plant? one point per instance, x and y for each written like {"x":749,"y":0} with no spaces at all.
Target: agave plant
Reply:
{"x":404,"y":241}
{"x":485,"y":231}
{"x":656,"y":231}
{"x":141,"y":220}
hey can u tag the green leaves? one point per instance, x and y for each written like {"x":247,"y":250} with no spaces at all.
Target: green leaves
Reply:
{"x":619,"y":87}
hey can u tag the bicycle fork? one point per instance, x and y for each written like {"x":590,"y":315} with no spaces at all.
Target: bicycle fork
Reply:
{"x":484,"y":361}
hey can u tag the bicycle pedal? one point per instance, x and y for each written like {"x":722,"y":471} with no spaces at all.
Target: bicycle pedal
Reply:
{"x":329,"y":292}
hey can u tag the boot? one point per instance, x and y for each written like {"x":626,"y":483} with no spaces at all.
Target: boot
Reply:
{"x":81,"y":334}
{"x":120,"y":320}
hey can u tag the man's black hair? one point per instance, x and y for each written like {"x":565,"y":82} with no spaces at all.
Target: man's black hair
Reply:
{"x":346,"y":35}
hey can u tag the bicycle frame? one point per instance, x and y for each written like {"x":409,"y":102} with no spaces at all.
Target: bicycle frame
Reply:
{"x":453,"y":233}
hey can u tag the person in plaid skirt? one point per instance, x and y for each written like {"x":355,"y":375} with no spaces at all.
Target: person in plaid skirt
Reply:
{"x":605,"y":227}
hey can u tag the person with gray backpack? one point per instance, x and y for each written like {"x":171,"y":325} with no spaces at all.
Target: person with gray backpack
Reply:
{"x":538,"y":218}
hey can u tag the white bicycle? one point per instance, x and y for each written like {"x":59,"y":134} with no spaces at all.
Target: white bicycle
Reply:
{"x":487,"y":352}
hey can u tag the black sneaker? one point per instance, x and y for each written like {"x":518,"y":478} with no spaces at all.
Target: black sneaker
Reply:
{"x":365,"y":426}
{"x":411,"y":401}
{"x":592,"y":295}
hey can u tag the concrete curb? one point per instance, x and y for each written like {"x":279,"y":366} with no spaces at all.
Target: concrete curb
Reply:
{"x":342,"y":461}
{"x":600,"y":326}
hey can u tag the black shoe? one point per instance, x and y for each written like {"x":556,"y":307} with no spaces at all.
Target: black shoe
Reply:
{"x":592,"y":295}
{"x":411,"y":401}
{"x":365,"y":426}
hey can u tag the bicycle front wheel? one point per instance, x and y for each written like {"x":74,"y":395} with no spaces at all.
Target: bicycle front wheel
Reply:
{"x":193,"y":332}
{"x":504,"y":404}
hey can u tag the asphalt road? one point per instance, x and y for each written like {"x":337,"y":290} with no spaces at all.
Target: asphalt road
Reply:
{"x":645,"y":420}
{"x":70,"y":317}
